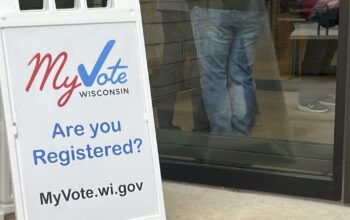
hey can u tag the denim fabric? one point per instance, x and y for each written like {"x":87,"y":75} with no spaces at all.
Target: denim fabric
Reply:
{"x":226,"y":43}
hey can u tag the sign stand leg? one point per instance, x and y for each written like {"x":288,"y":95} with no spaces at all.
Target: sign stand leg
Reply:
{"x":6,"y":209}
{"x":6,"y":199}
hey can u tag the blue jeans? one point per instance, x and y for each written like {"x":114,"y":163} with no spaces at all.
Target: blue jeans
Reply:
{"x":225,"y":42}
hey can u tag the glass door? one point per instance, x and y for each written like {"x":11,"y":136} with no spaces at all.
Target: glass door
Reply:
{"x":244,"y":92}
{"x":248,"y":93}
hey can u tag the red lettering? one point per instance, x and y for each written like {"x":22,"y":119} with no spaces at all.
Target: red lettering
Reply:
{"x":66,"y":96}
{"x":71,"y":86}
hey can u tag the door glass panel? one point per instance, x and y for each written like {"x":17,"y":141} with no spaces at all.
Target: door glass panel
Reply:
{"x":244,"y":83}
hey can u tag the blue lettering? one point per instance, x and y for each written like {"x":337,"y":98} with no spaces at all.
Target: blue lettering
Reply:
{"x":89,"y":79}
{"x":79,"y":130}
{"x":58,"y":131}
{"x":81,"y":154}
{"x":103,"y":78}
{"x":98,"y":152}
{"x":70,"y":129}
{"x":52,"y":157}
{"x":121,"y":76}
{"x":64,"y":158}
{"x":39,"y":154}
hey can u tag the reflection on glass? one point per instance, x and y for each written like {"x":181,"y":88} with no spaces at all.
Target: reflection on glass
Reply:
{"x":248,"y":83}
{"x":318,"y":57}
{"x":178,"y":58}
{"x":225,"y":37}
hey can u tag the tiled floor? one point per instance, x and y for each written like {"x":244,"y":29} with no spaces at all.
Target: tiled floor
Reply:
{"x":193,"y":202}
{"x":198,"y":202}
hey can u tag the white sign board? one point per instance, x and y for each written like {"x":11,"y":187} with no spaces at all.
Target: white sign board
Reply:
{"x":79,"y":115}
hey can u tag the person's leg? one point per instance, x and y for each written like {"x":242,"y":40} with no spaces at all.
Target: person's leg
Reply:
{"x":200,"y":117}
{"x":328,"y":92}
{"x":317,"y":60}
{"x":314,"y":55}
{"x":327,"y":67}
{"x":241,"y":60}
{"x":169,"y":78}
{"x":213,"y":38}
{"x":199,"y":113}
{"x":166,"y":87}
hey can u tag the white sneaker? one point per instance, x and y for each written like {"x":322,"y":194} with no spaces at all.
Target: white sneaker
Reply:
{"x":313,"y":107}
{"x":330,"y":101}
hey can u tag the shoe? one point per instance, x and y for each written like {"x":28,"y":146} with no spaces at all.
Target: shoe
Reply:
{"x":174,"y":127}
{"x":313,"y":107}
{"x":330,"y":100}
